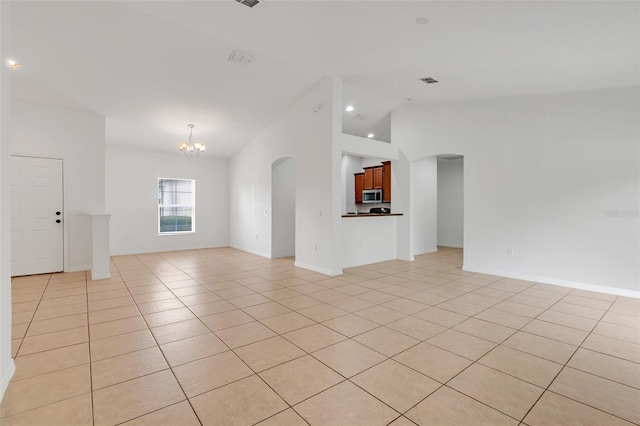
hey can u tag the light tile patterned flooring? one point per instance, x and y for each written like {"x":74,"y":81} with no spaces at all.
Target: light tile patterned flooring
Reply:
{"x":222,"y":337}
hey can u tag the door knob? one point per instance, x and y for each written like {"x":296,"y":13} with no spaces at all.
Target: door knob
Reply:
{"x":58,"y":221}
{"x":57,"y":213}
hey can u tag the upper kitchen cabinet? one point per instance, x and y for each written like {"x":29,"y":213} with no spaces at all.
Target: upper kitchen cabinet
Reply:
{"x":359,"y":180}
{"x":386,"y":181}
{"x":374,"y":177}
{"x":377,"y":177}
{"x":368,"y":178}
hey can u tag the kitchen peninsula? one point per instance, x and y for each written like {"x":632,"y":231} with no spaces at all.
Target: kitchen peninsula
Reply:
{"x":371,"y":214}
{"x":367,"y":189}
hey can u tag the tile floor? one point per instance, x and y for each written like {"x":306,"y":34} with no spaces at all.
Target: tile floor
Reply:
{"x":222,"y":337}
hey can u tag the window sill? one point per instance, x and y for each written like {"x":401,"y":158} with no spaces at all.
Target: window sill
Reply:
{"x":167,"y":234}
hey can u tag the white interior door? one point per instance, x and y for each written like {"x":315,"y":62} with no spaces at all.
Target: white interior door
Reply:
{"x":37,"y":241}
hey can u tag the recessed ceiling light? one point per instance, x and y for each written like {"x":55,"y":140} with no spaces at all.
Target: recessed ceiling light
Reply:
{"x":370,"y":135}
{"x":349,"y":108}
{"x":422,"y":21}
{"x":14,"y":64}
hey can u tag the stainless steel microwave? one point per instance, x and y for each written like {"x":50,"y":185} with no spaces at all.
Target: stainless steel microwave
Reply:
{"x":372,"y":196}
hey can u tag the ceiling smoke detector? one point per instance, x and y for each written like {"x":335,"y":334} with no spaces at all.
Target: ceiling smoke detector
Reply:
{"x":428,"y":80}
{"x":240,"y":57}
{"x":249,"y":3}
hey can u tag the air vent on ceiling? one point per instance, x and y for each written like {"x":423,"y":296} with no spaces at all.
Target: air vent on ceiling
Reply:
{"x":360,"y":117}
{"x":249,"y":3}
{"x":429,"y":80}
{"x":240,"y":57}
{"x":449,"y":157}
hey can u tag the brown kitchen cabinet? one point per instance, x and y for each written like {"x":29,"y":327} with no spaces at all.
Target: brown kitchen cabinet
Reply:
{"x":359,"y":178}
{"x":386,"y":182}
{"x":377,"y":177}
{"x":374,"y":177}
{"x":368,"y":179}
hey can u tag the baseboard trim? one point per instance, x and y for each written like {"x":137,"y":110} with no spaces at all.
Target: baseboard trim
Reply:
{"x":554,"y":281}
{"x":6,"y":378}
{"x":256,"y":252}
{"x":120,"y":252}
{"x":323,"y":271}
{"x":452,"y":245}
{"x":283,"y":254}
{"x":418,"y":252}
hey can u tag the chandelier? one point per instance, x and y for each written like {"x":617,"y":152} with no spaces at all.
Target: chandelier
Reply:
{"x":189,"y":148}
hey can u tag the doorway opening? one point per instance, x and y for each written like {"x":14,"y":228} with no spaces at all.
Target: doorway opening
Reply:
{"x":450,"y":201}
{"x":283,"y":208}
{"x":437,"y":184}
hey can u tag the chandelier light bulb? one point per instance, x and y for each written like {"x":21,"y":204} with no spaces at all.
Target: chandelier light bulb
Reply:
{"x":189,"y":148}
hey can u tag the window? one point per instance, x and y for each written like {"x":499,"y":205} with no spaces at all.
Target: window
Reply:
{"x":176,"y":206}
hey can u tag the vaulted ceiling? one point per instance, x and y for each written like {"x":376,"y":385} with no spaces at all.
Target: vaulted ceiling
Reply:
{"x":152,"y":67}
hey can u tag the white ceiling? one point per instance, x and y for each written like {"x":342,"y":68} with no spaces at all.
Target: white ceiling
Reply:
{"x":152,"y":67}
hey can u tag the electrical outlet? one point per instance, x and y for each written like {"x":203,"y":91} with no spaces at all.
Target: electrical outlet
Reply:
{"x":316,"y":247}
{"x":510,"y":252}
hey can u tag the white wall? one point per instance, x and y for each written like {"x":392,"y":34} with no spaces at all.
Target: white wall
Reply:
{"x":368,"y":240}
{"x":305,"y":134}
{"x":364,"y":147}
{"x":283,"y":201}
{"x":450,"y":202}
{"x":541,"y":173}
{"x":132,"y":200}
{"x":79,"y":139}
{"x":424,"y":213}
{"x":7,"y":367}
{"x":370,"y":162}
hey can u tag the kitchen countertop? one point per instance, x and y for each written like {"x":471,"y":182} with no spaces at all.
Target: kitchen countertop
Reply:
{"x":371,"y":214}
